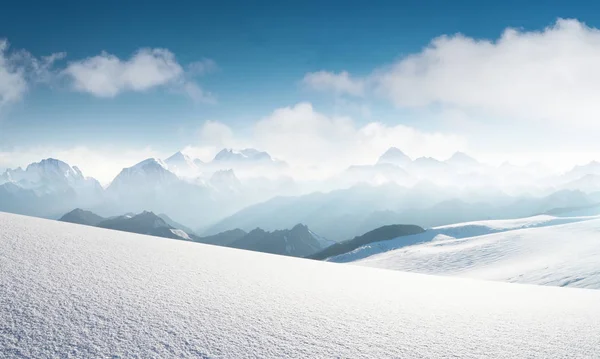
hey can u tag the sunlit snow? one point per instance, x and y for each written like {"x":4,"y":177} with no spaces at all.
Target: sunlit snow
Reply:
{"x":76,"y":291}
{"x":555,"y":253}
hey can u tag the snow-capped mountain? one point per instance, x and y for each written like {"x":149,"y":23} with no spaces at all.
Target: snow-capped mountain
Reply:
{"x":182,"y":165}
{"x":225,"y":180}
{"x":395,"y":157}
{"x":462,"y":160}
{"x":47,"y":188}
{"x":588,"y":183}
{"x":52,"y":176}
{"x":431,"y":168}
{"x":592,"y":168}
{"x":377,"y":174}
{"x":428,"y":163}
{"x":245,"y":159}
{"x":250,"y":155}
{"x":149,"y":173}
{"x":149,"y":185}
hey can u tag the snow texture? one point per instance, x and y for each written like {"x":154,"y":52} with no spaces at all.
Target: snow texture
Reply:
{"x":455,"y":231}
{"x":71,"y":291}
{"x":551,"y":254}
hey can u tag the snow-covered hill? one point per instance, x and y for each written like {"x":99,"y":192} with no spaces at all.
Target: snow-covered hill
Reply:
{"x":89,"y":292}
{"x":452,"y":231}
{"x":539,"y":250}
{"x":83,"y":292}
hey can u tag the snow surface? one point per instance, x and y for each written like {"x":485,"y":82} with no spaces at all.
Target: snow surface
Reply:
{"x":452,"y":231}
{"x":75,"y":291}
{"x":558,"y":255}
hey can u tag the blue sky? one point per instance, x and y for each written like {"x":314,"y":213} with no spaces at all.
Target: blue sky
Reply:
{"x":261,"y":54}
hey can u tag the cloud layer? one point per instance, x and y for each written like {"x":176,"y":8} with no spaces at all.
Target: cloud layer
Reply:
{"x":316,"y":144}
{"x":20,"y":69}
{"x":339,"y":83}
{"x":548,"y":75}
{"x":106,"y":75}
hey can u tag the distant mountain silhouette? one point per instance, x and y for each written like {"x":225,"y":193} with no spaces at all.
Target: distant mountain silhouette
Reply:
{"x":144,"y":223}
{"x":80,"y":216}
{"x":222,"y":239}
{"x":376,"y":235}
{"x":298,"y":241}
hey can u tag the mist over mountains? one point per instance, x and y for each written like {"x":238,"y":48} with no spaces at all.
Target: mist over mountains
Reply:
{"x":249,"y":189}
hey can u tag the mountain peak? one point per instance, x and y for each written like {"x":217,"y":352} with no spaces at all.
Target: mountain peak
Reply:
{"x":394,"y":156}
{"x":178,"y":156}
{"x":52,"y":165}
{"x":151,"y":171}
{"x":461,"y":158}
{"x":247,"y":154}
{"x":182,"y":164}
{"x":150,"y":163}
{"x":225,"y":179}
{"x":81,"y":216}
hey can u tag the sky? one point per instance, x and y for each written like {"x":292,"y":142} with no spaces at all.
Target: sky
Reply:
{"x":104,"y":85}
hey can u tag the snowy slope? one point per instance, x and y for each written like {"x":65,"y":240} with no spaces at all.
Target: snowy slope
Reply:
{"x":76,"y":291}
{"x":452,"y":231}
{"x":558,"y":255}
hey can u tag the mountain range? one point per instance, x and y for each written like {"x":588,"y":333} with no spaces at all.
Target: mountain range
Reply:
{"x":298,"y":241}
{"x":212,"y":197}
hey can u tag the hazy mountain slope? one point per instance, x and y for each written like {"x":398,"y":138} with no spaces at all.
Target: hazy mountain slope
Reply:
{"x":149,"y":185}
{"x":558,"y":255}
{"x":336,"y":215}
{"x":94,"y":293}
{"x":297,"y":242}
{"x":174,"y":224}
{"x":80,"y":216}
{"x":342,"y":214}
{"x":144,"y":223}
{"x":182,"y":165}
{"x":379,"y":234}
{"x":223,"y":238}
{"x":394,"y":156}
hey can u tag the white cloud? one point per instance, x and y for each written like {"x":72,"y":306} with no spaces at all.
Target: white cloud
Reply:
{"x":19,"y":69}
{"x":213,"y":137}
{"x":197,"y":94}
{"x":308,"y":138}
{"x":12,"y":79}
{"x":338,"y":83}
{"x":106,"y":75}
{"x":318,"y":145}
{"x":548,"y":75}
{"x":202,"y":67}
